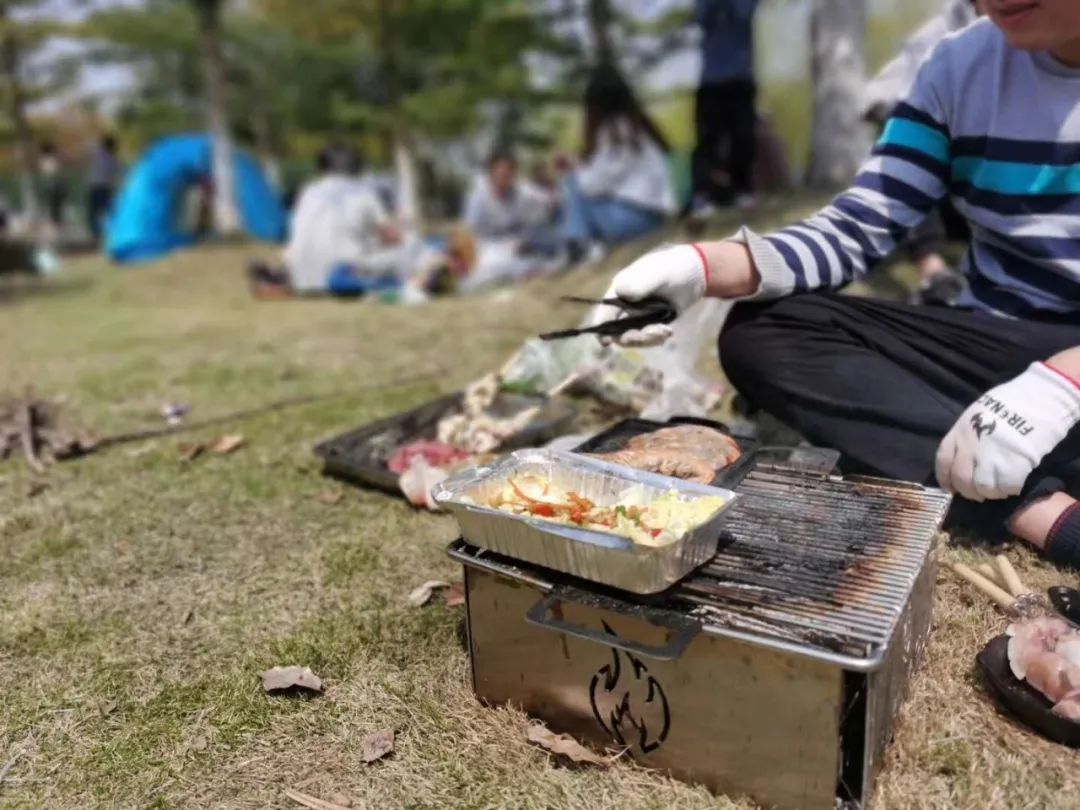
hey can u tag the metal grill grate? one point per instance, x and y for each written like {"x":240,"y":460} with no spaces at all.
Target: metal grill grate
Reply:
{"x":823,"y":562}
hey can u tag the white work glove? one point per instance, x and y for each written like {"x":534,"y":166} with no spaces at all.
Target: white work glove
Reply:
{"x":1002,"y":437}
{"x":677,"y":274}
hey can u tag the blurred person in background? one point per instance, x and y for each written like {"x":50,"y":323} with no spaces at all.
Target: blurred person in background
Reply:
{"x":939,"y":284}
{"x":513,"y":223}
{"x":342,"y":240}
{"x":53,"y":183}
{"x":723,"y":160}
{"x":102,"y":177}
{"x":500,"y":205}
{"x":621,"y":189}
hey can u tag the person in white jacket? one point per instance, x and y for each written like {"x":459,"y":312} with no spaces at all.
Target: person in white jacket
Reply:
{"x":622,"y":188}
{"x":341,"y":234}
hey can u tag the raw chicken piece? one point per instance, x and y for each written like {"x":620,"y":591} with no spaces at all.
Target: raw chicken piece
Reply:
{"x":418,"y":481}
{"x":1032,"y":638}
{"x":1046,"y":673}
{"x":1025,"y":645}
{"x":1069,"y":647}
{"x":1069,"y":706}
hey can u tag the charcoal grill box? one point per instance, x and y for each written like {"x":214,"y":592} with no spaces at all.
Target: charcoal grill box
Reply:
{"x":776,"y":671}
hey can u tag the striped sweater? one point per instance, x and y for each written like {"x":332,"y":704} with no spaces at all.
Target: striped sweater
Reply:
{"x":998,"y":131}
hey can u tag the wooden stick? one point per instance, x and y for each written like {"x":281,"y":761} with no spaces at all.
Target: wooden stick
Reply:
{"x":1009,"y":575}
{"x":312,"y":802}
{"x":29,"y":440}
{"x":1001,"y":598}
{"x":991,"y":573}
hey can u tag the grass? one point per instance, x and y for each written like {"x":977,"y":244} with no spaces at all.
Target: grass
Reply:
{"x":140,"y":595}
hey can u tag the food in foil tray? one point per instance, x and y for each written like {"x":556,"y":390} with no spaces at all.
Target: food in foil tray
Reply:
{"x":637,"y":513}
{"x":689,"y":452}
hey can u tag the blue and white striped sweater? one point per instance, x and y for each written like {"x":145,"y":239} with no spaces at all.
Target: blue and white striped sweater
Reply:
{"x":997,"y":130}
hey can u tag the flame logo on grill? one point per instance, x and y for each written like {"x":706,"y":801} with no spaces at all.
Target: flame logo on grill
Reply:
{"x":634,"y":713}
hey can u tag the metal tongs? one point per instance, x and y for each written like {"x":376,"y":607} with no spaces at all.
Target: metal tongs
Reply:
{"x":636,"y":315}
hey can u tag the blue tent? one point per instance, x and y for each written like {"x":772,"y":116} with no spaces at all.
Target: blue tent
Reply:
{"x":145,"y":222}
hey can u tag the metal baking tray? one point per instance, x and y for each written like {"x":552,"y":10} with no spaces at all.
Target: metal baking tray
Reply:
{"x":360,"y":456}
{"x":593,"y":555}
{"x":616,"y":437}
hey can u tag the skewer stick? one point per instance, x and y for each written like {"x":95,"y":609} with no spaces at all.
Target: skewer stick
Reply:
{"x":1001,"y":598}
{"x":991,"y":573}
{"x":1009,"y":575}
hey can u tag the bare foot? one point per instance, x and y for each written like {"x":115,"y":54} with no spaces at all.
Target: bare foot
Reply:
{"x":1033,"y":523}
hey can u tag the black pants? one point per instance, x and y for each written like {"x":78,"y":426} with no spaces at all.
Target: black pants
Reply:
{"x":723,"y":160}
{"x":884,"y":382}
{"x":98,"y":204}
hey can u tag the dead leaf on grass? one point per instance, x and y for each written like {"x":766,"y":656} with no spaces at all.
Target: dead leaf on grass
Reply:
{"x":332,"y":497}
{"x":200,"y":743}
{"x":189,"y":451}
{"x":454,"y":596}
{"x":377,"y":745}
{"x":421,"y":594}
{"x":294,"y":678}
{"x":226,"y":444}
{"x":563,"y":745}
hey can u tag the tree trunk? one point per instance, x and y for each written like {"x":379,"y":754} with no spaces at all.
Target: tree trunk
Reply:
{"x":840,"y":138}
{"x":406,"y":163}
{"x":26,"y":152}
{"x":600,"y":20}
{"x":226,"y":216}
{"x":407,"y":175}
{"x":266,"y":147}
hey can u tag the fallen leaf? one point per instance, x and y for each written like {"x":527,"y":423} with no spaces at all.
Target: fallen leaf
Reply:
{"x":563,"y":745}
{"x":284,"y":679}
{"x":378,"y":745}
{"x":332,"y":497}
{"x":226,"y":444}
{"x":190,"y":450}
{"x":421,"y":594}
{"x":454,"y":596}
{"x":341,"y":799}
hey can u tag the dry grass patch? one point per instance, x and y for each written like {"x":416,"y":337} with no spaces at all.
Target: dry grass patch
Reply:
{"x":141,"y":595}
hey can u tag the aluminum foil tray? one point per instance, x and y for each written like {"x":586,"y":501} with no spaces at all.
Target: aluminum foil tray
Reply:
{"x":597,"y":556}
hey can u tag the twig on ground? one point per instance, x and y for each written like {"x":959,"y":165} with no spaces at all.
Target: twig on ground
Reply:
{"x":259,"y":410}
{"x":19,"y":752}
{"x":313,"y":802}
{"x":26,"y":431}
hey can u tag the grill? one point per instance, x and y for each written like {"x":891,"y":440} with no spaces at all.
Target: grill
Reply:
{"x":774,"y":671}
